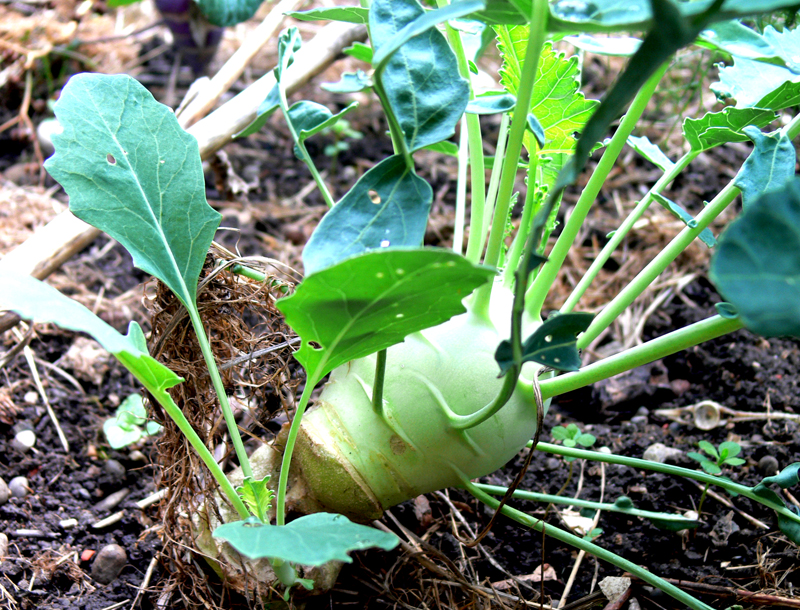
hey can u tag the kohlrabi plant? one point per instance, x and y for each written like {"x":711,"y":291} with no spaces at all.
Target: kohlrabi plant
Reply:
{"x":129,"y":424}
{"x":442,"y":362}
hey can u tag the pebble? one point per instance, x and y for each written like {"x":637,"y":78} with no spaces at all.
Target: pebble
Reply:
{"x":658,"y":452}
{"x":109,"y":563}
{"x":613,"y":587}
{"x":3,"y":547}
{"x":31,"y":397}
{"x":644,"y":411}
{"x":553,"y":464}
{"x":768,"y":466}
{"x":5,"y":492}
{"x":639,"y":419}
{"x":24,"y":440}
{"x":18,"y":486}
{"x":115,"y":469}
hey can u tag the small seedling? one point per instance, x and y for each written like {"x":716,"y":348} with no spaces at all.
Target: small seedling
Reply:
{"x":571,"y":436}
{"x":714,"y":461}
{"x":129,"y":424}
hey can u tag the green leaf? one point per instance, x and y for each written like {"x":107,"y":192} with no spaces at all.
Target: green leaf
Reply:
{"x":552,"y":344}
{"x":257,"y":497}
{"x":710,"y":467}
{"x":124,"y":428}
{"x":491,"y":103}
{"x":736,"y":39}
{"x":359,"y":51}
{"x":373,"y":301}
{"x":224,"y":13}
{"x":270,"y":104}
{"x":788,"y":477}
{"x":734,"y":461}
{"x":757,"y":264}
{"x":697,"y":456}
{"x":706,"y":236}
{"x":786,"y":45}
{"x":387,"y":207}
{"x":445,"y":148}
{"x":35,"y":300}
{"x":651,"y":152}
{"x":717,"y":128}
{"x":586,"y":440}
{"x":726,"y":310}
{"x":709,"y":449}
{"x":417,"y":68}
{"x":311,"y":540}
{"x":559,"y":433}
{"x":348,"y":14}
{"x":729,"y":449}
{"x":768,"y":168}
{"x":757,"y":84}
{"x":289,"y":42}
{"x":131,"y":171}
{"x":536,"y":129}
{"x":616,"y":46}
{"x":501,"y":12}
{"x":309,"y":118}
{"x":350,"y":82}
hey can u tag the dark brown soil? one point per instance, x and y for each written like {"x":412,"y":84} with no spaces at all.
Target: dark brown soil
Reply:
{"x":50,"y":568}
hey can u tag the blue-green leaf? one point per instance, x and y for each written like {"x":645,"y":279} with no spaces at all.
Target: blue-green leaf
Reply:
{"x":309,"y":118}
{"x":651,"y":152}
{"x":788,"y":477}
{"x":387,"y":207}
{"x":706,"y":236}
{"x":311,"y":540}
{"x":224,"y":13}
{"x":492,"y":103}
{"x":769,"y":166}
{"x":552,"y":344}
{"x":740,"y":41}
{"x":756,"y":84}
{"x":350,"y":82}
{"x":726,"y":310}
{"x":370,"y":302}
{"x":417,"y":68}
{"x":131,"y":171}
{"x":270,"y":104}
{"x":728,"y":125}
{"x":536,"y":129}
{"x":348,"y":14}
{"x":757,"y":264}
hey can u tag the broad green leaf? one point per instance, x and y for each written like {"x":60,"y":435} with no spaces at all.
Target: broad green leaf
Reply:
{"x":387,"y":207}
{"x":224,"y":13}
{"x":706,"y":236}
{"x":446,"y":148}
{"x":586,"y":440}
{"x":491,"y":103}
{"x":710,"y":467}
{"x":131,"y":171}
{"x":788,"y":477}
{"x":552,"y":344}
{"x":729,"y":449}
{"x":708,"y":448}
{"x":617,"y":46}
{"x":651,"y":152}
{"x":35,"y":300}
{"x":697,"y":456}
{"x":360,"y":51}
{"x":417,"y":69}
{"x":559,"y":433}
{"x":309,"y":118}
{"x":348,"y":14}
{"x":757,"y":264}
{"x":769,"y":166}
{"x":311,"y":540}
{"x":717,"y":128}
{"x":350,"y":82}
{"x":756,"y":84}
{"x":270,"y":104}
{"x":501,"y":12}
{"x":735,"y":461}
{"x":736,"y":39}
{"x":370,"y":302}
{"x":786,"y":45}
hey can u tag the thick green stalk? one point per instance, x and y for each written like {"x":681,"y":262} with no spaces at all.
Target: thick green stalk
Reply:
{"x":697,"y":475}
{"x":623,"y":230}
{"x":519,"y":123}
{"x":585,"y":545}
{"x":219,"y":388}
{"x":377,"y":386}
{"x":525,"y":225}
{"x":544,"y":280}
{"x":461,"y":189}
{"x":494,"y":184}
{"x":655,"y":349}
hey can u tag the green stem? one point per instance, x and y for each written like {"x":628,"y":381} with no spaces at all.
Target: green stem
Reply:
{"x":498,"y":490}
{"x":323,"y":188}
{"x":461,"y":190}
{"x":165,"y":400}
{"x":395,"y":131}
{"x":477,"y":189}
{"x":525,"y":225}
{"x":544,"y":280}
{"x":463,"y":422}
{"x":702,"y":499}
{"x":494,"y":182}
{"x":291,"y":439}
{"x":678,"y":340}
{"x":377,"y":385}
{"x":585,"y":545}
{"x":624,"y":229}
{"x":664,"y":258}
{"x":219,"y":388}
{"x":678,"y":471}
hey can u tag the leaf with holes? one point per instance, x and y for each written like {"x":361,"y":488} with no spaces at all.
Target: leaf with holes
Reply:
{"x":370,"y":302}
{"x":388,"y":206}
{"x":131,"y":171}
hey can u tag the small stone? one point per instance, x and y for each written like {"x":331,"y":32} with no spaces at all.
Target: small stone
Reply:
{"x":31,"y":397}
{"x":553,"y":464}
{"x":109,"y":563}
{"x":613,"y":587}
{"x":644,"y":411}
{"x":5,"y":492}
{"x":3,"y":547}
{"x":115,"y":469}
{"x":24,"y":440}
{"x":639,"y":419}
{"x":18,"y":486}
{"x":137,"y":456}
{"x":658,"y":452}
{"x":768,"y":466}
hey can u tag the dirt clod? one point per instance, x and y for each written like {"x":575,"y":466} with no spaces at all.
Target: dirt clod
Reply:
{"x":109,"y":563}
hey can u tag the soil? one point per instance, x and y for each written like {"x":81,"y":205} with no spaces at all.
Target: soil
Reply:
{"x":56,"y":530}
